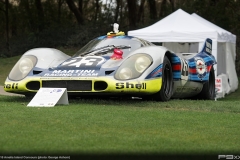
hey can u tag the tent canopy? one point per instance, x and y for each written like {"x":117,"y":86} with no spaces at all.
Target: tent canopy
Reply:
{"x":225,"y":35}
{"x":179,"y":27}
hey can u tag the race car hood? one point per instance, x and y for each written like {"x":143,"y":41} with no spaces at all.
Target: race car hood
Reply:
{"x":90,"y":62}
{"x":85,"y":66}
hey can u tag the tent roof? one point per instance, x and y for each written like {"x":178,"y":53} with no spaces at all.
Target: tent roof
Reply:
{"x":177,"y":27}
{"x":228,"y":36}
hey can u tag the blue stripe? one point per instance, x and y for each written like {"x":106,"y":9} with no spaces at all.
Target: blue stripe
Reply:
{"x":157,"y":72}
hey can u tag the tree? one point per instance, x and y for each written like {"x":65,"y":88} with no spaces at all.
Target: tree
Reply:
{"x":60,"y":3}
{"x":162,"y":7}
{"x":117,"y":10}
{"x":140,"y":16}
{"x":96,"y":10}
{"x":40,"y":14}
{"x":29,"y":16}
{"x":75,"y":11}
{"x":6,"y":6}
{"x":152,"y":9}
{"x":132,"y":10}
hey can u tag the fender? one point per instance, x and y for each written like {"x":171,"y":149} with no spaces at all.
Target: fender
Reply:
{"x":47,"y":57}
{"x":156,"y":52}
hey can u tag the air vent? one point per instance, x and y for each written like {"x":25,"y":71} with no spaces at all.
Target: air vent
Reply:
{"x":109,"y":72}
{"x":100,"y":85}
{"x":71,"y":85}
{"x":34,"y":85}
{"x":36,"y":72}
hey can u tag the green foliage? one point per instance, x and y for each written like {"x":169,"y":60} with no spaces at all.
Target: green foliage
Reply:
{"x":83,"y":35}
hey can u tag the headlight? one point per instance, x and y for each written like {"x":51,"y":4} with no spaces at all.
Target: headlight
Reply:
{"x":25,"y":65}
{"x":125,"y":73}
{"x":133,"y":67}
{"x":142,"y":63}
{"x":22,"y":67}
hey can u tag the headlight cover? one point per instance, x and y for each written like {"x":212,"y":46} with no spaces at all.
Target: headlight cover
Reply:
{"x":22,"y":67}
{"x":134,"y":66}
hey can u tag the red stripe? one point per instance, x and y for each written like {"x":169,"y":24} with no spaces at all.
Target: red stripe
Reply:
{"x":209,"y":68}
{"x":176,"y":67}
{"x":192,"y":70}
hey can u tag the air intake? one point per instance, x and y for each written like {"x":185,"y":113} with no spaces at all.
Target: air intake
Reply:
{"x":100,"y":85}
{"x":34,"y":85}
{"x":71,"y":85}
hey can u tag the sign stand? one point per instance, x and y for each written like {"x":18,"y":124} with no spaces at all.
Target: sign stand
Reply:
{"x":49,"y":97}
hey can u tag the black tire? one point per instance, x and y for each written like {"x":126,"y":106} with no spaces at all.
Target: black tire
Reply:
{"x":167,"y":82}
{"x":208,"y":90}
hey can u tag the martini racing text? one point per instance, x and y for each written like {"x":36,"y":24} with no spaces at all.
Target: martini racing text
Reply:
{"x":68,"y":73}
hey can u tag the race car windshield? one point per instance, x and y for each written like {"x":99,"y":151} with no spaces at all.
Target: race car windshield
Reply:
{"x":130,"y":45}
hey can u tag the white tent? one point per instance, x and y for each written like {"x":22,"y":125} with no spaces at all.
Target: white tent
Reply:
{"x":226,"y":53}
{"x":182,"y":32}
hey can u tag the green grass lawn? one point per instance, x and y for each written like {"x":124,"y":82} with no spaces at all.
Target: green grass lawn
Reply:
{"x":120,"y":126}
{"x":124,"y":126}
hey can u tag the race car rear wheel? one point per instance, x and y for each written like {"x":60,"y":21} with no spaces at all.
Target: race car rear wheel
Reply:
{"x":208,"y":90}
{"x":167,"y":82}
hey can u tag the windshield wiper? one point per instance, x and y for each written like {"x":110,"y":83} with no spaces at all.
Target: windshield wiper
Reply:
{"x":104,"y":49}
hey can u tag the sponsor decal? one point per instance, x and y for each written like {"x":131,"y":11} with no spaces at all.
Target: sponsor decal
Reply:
{"x":208,"y":47}
{"x":201,"y":67}
{"x":84,"y":62}
{"x":69,"y":73}
{"x":56,"y":90}
{"x":218,"y":84}
{"x":11,"y":86}
{"x":131,"y":85}
{"x":157,"y":72}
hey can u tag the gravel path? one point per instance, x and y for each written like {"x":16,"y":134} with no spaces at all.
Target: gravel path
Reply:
{"x":2,"y":92}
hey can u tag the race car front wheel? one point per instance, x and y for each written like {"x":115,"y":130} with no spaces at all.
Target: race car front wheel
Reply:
{"x":167,"y":82}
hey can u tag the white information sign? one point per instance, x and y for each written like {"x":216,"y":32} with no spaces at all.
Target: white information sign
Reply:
{"x":218,"y":85}
{"x":49,"y":97}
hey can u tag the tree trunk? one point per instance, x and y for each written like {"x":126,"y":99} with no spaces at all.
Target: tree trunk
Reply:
{"x":60,"y":2}
{"x":75,"y":11}
{"x":117,"y":11}
{"x":7,"y":26}
{"x":25,"y":4}
{"x":40,"y":14}
{"x":97,"y":10}
{"x":140,"y":17}
{"x":132,"y":13}
{"x":153,"y":10}
{"x":162,"y":6}
{"x":172,"y":5}
{"x":80,"y":6}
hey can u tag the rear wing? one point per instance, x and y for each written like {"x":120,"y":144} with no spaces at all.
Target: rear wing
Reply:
{"x":207,"y":47}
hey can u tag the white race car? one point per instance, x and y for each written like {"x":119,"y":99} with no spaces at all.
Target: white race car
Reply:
{"x":117,"y":65}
